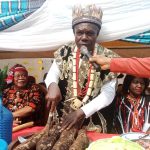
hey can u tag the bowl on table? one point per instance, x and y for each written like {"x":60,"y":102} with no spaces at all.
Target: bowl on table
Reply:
{"x":135,"y":136}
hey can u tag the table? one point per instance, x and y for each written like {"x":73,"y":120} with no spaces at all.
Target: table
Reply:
{"x":91,"y":134}
{"x":26,"y":131}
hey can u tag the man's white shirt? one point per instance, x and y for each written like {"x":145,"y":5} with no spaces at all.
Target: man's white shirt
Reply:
{"x":105,"y":98}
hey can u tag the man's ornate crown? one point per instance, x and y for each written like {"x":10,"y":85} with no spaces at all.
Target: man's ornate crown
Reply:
{"x":90,"y":14}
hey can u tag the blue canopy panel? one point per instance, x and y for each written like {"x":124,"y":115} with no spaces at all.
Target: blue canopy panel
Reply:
{"x":143,"y":38}
{"x":14,"y":11}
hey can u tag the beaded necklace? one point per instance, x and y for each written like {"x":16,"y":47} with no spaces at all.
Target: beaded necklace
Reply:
{"x":134,"y":101}
{"x":87,"y":91}
{"x":137,"y":119}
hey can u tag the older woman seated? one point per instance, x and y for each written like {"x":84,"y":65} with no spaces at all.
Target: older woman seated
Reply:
{"x":21,"y":96}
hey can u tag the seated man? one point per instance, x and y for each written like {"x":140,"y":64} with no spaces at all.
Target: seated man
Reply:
{"x":21,"y":97}
{"x":83,"y":89}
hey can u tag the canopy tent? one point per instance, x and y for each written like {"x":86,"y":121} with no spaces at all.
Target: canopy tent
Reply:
{"x":140,"y":38}
{"x":14,"y":11}
{"x":50,"y":25}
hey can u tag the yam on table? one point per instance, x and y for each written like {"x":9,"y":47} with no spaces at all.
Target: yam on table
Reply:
{"x":47,"y":141}
{"x":81,"y":142}
{"x":66,"y":139}
{"x":30,"y":144}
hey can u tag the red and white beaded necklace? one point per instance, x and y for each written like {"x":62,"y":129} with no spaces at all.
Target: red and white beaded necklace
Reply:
{"x":87,"y":91}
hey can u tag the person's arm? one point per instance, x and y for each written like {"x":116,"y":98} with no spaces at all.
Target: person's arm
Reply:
{"x":134,"y":66}
{"x":105,"y":98}
{"x":23,"y":112}
{"x":53,"y":95}
{"x":53,"y":74}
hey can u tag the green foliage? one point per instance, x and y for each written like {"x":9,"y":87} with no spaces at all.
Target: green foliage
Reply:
{"x":3,"y":74}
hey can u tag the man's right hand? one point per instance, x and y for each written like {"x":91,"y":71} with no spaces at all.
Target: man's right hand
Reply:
{"x":53,"y":96}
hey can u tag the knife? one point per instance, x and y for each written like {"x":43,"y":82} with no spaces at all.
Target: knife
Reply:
{"x":49,"y":121}
{"x":21,"y":139}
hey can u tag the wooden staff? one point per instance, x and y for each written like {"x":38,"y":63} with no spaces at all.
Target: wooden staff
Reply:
{"x":23,"y":126}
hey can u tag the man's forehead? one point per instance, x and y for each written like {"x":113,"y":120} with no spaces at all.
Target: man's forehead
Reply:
{"x":88,"y":26}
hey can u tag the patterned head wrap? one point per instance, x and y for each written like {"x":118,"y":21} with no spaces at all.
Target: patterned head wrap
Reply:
{"x":89,"y":14}
{"x":12,"y":70}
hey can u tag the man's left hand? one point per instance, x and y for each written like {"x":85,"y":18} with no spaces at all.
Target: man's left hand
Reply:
{"x":72,"y":119}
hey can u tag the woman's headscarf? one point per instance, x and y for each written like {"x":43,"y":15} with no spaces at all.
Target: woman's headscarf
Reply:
{"x":12,"y":70}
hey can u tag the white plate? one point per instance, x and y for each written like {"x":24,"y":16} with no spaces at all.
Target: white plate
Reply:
{"x":134,"y":135}
{"x":114,"y":143}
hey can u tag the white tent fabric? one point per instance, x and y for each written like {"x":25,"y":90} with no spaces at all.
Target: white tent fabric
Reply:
{"x":50,"y":26}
